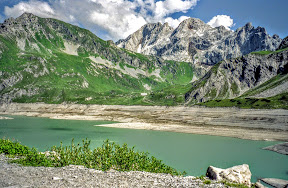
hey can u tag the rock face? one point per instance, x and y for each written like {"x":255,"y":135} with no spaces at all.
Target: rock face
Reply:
{"x":238,"y":174}
{"x":284,"y":44}
{"x":197,"y":42}
{"x":279,"y":148}
{"x":232,"y":78}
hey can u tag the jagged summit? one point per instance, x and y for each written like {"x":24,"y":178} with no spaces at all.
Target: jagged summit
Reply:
{"x":146,"y":36}
{"x":192,"y":24}
{"x":197,"y":42}
{"x":27,"y":15}
{"x":284,"y":44}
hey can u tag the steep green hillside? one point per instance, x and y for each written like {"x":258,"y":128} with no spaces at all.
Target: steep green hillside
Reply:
{"x":47,"y":60}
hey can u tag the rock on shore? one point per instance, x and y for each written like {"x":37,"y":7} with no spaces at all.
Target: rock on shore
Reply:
{"x":276,"y":182}
{"x":279,"y":148}
{"x":238,"y":174}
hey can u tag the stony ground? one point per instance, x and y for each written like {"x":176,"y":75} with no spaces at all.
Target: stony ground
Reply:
{"x":13,"y":175}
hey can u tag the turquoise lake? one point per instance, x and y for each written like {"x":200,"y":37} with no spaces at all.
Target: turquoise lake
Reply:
{"x":189,"y":152}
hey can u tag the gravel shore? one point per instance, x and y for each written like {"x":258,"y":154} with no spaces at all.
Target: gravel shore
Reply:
{"x":14,"y":175}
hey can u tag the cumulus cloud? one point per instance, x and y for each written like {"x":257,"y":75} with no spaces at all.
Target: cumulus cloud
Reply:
{"x":221,"y":20}
{"x":175,"y":22}
{"x":39,"y":8}
{"x":164,"y":8}
{"x":109,"y":19}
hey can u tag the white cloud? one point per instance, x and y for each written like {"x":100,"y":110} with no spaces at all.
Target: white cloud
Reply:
{"x":175,"y":22}
{"x":223,"y":20}
{"x":39,"y":8}
{"x":112,"y":19}
{"x":164,"y":8}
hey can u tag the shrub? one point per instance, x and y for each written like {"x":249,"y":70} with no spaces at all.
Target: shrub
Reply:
{"x":109,"y":156}
{"x":13,"y":148}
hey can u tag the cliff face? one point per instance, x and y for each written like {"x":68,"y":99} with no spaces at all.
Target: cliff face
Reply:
{"x":197,"y":42}
{"x":235,"y":77}
{"x":284,"y":44}
{"x":47,"y":60}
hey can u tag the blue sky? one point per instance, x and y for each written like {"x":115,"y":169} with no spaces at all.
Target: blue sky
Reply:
{"x":115,"y":19}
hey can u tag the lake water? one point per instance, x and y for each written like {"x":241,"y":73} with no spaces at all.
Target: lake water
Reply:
{"x":189,"y":152}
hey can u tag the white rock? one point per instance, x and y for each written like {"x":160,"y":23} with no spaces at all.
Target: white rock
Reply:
{"x":56,"y":178}
{"x":238,"y":174}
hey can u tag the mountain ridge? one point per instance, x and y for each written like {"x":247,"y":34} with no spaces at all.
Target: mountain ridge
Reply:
{"x":50,"y":61}
{"x":197,"y":42}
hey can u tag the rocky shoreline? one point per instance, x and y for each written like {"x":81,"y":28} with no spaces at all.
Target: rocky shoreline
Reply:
{"x":253,"y":124}
{"x":14,"y":175}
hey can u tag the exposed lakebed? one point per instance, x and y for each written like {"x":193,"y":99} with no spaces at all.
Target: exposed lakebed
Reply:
{"x":189,"y":152}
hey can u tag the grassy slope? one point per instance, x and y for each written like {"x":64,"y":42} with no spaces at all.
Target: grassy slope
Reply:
{"x":269,"y":52}
{"x":278,"y":101}
{"x":65,"y":82}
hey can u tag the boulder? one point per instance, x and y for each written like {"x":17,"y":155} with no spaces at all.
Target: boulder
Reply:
{"x":259,"y":185}
{"x":237,"y":174}
{"x":278,"y":183}
{"x":279,"y":148}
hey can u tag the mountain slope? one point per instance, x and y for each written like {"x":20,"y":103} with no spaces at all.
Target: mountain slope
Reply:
{"x":256,"y":75}
{"x":197,"y":42}
{"x":47,"y":60}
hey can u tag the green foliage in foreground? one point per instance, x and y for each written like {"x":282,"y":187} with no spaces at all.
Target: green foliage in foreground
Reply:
{"x":13,"y":148}
{"x":278,"y":101}
{"x":237,"y":185}
{"x":109,"y":156}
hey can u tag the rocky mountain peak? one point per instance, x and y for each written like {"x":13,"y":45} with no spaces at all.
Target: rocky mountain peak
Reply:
{"x":284,"y":44}
{"x":192,"y":24}
{"x":221,"y":29}
{"x":149,"y":29}
{"x":248,"y":26}
{"x":197,"y":42}
{"x":143,"y":38}
{"x":275,"y":36}
{"x":26,"y":15}
{"x":26,"y":18}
